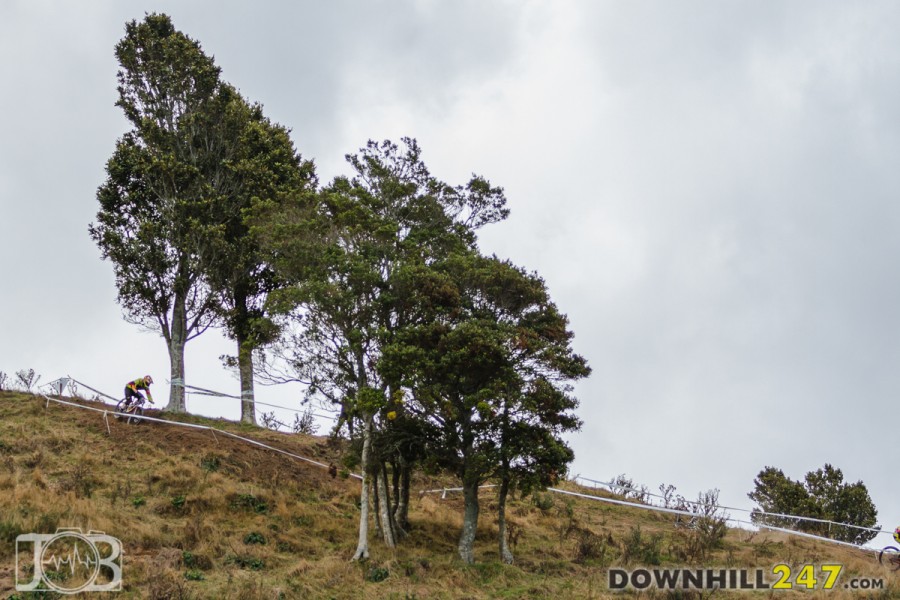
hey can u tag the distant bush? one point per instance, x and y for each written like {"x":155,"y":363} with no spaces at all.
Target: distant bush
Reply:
{"x":27,"y":379}
{"x":625,"y":487}
{"x":640,"y":548}
{"x":305,"y":424}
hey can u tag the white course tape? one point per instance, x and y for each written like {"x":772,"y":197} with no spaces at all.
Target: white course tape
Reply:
{"x":205,"y":427}
{"x":198,"y":391}
{"x":612,"y":485}
{"x":676,"y":512}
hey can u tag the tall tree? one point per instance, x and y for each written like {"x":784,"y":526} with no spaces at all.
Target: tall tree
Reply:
{"x":390,"y":215}
{"x":158,"y":195}
{"x":264,"y":174}
{"x":489,"y":375}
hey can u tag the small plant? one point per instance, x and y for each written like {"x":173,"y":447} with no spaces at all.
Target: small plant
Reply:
{"x":254,"y":537}
{"x":624,"y":486}
{"x":590,"y":547}
{"x":668,"y":494}
{"x":302,"y":521}
{"x":195,"y":562}
{"x":9,"y":531}
{"x":640,"y":548}
{"x":246,"y":562}
{"x":305,"y":424}
{"x":138,"y":501}
{"x":27,"y":379}
{"x":543,"y":501}
{"x":80,"y":480}
{"x":178,"y":502}
{"x":250,"y":502}
{"x":377,"y":574}
{"x":210,"y":463}
{"x":194,"y":575}
{"x":269,"y":421}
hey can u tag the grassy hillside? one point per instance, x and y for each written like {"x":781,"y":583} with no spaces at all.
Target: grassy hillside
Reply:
{"x":204,"y":516}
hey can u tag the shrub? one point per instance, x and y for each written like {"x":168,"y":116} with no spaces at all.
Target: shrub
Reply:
{"x":246,"y":562}
{"x":377,"y":574}
{"x":305,"y":424}
{"x":642,"y":549}
{"x":543,"y":501}
{"x":250,"y":502}
{"x":210,"y":463}
{"x":254,"y":537}
{"x":195,"y":561}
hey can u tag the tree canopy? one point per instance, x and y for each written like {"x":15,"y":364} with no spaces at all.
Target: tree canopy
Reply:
{"x":822,"y":495}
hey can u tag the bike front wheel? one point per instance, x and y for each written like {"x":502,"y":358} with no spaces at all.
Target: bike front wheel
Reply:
{"x":131,"y":413}
{"x":134,"y":415}
{"x":890,"y":557}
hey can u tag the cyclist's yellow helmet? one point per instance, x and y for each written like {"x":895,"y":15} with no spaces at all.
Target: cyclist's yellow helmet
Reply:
{"x":148,"y":379}
{"x":897,"y":535}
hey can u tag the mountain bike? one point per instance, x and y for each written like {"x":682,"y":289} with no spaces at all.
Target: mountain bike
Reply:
{"x":131,"y":413}
{"x":890,"y":557}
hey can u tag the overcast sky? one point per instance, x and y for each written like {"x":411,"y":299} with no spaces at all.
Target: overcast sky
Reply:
{"x":707,"y":187}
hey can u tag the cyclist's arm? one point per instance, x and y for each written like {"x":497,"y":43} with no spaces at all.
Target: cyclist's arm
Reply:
{"x":149,"y":396}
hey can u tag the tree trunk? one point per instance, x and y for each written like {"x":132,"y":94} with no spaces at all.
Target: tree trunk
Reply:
{"x":362,"y":546}
{"x":176,"y":355}
{"x":376,"y":504}
{"x":245,"y":367}
{"x":470,"y":520}
{"x":384,"y":506}
{"x":505,"y":554}
{"x":401,"y":512}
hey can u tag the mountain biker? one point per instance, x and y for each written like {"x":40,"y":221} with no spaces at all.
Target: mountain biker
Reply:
{"x":132,"y":390}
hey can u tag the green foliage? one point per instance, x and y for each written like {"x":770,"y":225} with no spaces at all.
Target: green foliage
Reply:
{"x":822,"y":495}
{"x":178,"y":502}
{"x":138,"y":501}
{"x":254,"y":537}
{"x":543,"y":501}
{"x":377,"y":574}
{"x":210,"y":463}
{"x":246,"y":562}
{"x":9,"y":531}
{"x":194,"y":575}
{"x":194,"y":561}
{"x":251,"y":503}
{"x":153,"y":221}
{"x":640,"y":548}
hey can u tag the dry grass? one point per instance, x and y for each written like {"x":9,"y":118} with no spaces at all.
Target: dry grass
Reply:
{"x":210,"y":517}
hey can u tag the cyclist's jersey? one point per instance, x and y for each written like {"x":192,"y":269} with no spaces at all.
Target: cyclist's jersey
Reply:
{"x":138,"y":384}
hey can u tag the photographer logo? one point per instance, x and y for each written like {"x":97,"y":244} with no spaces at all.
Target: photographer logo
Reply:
{"x":68,"y":562}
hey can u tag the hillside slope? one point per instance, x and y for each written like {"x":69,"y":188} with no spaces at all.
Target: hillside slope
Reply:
{"x":207,"y":516}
